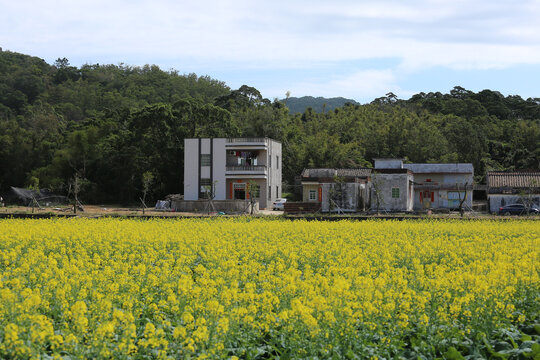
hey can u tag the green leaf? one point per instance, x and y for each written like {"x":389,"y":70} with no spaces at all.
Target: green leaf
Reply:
{"x":492,"y":352}
{"x":535,"y":353}
{"x":453,"y":354}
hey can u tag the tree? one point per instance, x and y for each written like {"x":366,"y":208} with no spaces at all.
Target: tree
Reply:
{"x":377,"y":184}
{"x":526,"y":195}
{"x":147,"y":179}
{"x":336,"y":194}
{"x":210,"y":194}
{"x":462,"y":200}
{"x":253,"y":190}
{"x":76,"y":186}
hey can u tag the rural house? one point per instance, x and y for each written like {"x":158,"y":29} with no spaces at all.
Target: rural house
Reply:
{"x":442,"y":186}
{"x":225,"y":167}
{"x":430,"y":186}
{"x":505,"y":188}
{"x":337,"y":189}
{"x":392,"y":186}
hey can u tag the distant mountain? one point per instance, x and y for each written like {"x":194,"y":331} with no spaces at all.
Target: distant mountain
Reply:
{"x":299,"y":105}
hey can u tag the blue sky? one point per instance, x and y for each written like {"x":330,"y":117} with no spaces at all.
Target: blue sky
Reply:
{"x":355,"y":49}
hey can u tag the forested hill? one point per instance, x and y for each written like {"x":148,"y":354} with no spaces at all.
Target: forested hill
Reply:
{"x":110,"y":124}
{"x":318,"y":104}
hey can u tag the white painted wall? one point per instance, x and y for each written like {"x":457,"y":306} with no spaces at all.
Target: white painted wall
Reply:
{"x":384,"y":184}
{"x":205,"y":146}
{"x":219,"y":163}
{"x":388,"y":163}
{"x":191,"y":169}
{"x":449,"y":182}
{"x":274,"y":174}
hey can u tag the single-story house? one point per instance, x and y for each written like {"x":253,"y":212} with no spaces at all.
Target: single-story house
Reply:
{"x":346,"y":190}
{"x":511,"y":187}
{"x":390,"y":186}
{"x":442,"y":186}
{"x":426,"y":186}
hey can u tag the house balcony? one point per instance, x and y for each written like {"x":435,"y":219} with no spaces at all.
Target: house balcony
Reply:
{"x":231,"y":170}
{"x":443,"y":186}
{"x":247,"y":143}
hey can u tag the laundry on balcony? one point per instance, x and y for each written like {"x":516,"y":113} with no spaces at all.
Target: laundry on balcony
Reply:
{"x":242,"y":158}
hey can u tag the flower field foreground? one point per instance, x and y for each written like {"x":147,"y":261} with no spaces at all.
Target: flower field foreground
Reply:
{"x":256,"y":288}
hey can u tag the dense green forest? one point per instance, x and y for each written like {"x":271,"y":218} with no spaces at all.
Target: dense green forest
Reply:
{"x":109,"y":124}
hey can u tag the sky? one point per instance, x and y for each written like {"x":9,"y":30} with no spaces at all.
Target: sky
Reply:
{"x":359,"y":49}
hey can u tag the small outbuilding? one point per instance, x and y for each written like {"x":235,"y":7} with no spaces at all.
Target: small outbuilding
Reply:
{"x":392,"y":186}
{"x":512,"y":187}
{"x":345,"y":190}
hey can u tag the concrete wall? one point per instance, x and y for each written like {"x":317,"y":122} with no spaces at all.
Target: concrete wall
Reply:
{"x":383,"y":184}
{"x":347,"y":196}
{"x":275,"y":162}
{"x":388,"y":163}
{"x":215,"y":172}
{"x":444,"y":168}
{"x":205,"y":149}
{"x":227,"y":206}
{"x":305,"y":192}
{"x":443,"y":199}
{"x":218,"y":165}
{"x":499,"y":200}
{"x":191,"y":169}
{"x":444,"y":179}
{"x":354,"y":196}
{"x":445,"y":184}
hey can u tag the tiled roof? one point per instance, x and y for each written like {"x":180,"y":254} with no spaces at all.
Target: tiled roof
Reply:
{"x":440,"y":168}
{"x":328,"y":173}
{"x":516,"y":179}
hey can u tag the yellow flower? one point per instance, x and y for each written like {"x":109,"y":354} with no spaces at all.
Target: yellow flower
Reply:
{"x":97,"y":287}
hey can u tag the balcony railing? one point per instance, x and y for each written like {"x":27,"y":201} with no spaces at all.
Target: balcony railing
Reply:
{"x":247,"y":140}
{"x":261,"y":168}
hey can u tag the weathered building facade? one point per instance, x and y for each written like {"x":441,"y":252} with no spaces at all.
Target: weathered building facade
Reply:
{"x":393,"y":186}
{"x":442,"y":186}
{"x":390,"y":186}
{"x":345,"y":190}
{"x":512,"y":187}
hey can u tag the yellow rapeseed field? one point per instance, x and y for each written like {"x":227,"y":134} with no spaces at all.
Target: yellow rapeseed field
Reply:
{"x":256,"y":288}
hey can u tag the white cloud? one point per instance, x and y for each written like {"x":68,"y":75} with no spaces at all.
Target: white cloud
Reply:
{"x":359,"y":85}
{"x":427,"y":33}
{"x":460,"y":34}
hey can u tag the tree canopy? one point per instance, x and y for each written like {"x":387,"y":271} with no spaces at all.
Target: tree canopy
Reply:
{"x":112,"y":123}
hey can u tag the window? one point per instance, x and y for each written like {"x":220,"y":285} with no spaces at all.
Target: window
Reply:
{"x":270,"y":161}
{"x":206,"y":159}
{"x":277,"y":162}
{"x":395,"y":193}
{"x":205,"y":186}
{"x":269,"y":192}
{"x":454,"y":198}
{"x":277,"y":190}
{"x":312,"y":195}
{"x":239,"y":191}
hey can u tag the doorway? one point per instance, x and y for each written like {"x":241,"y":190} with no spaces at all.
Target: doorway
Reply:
{"x":239,"y":191}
